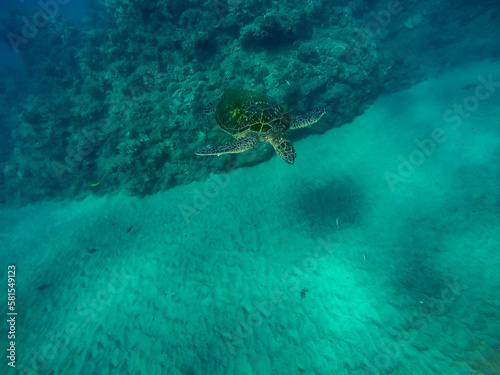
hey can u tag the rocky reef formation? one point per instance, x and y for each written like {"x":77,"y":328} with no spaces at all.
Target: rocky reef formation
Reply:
{"x":118,"y":101}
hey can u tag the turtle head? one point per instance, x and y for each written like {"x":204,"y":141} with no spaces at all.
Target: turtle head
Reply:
{"x":284,"y":149}
{"x":287,"y":119}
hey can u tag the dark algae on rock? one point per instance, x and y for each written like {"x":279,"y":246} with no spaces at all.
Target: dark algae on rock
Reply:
{"x":116,"y":97}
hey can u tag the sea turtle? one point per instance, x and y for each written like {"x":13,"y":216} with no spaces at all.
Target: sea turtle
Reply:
{"x":251,"y":117}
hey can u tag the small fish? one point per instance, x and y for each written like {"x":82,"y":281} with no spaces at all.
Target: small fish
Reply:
{"x":97,"y":183}
{"x":92,"y":250}
{"x":209,"y":108}
{"x":469,"y":86}
{"x":130,"y":228}
{"x":43,"y":286}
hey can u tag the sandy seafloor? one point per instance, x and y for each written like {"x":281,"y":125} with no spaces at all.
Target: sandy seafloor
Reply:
{"x":208,"y":279}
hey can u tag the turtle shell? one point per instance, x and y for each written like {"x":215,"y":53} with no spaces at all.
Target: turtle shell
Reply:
{"x":241,"y":111}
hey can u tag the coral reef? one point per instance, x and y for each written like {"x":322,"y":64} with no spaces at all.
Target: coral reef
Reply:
{"x":119,"y":101}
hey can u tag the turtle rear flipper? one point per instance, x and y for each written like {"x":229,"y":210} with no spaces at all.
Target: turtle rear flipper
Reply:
{"x":308,"y":119}
{"x":230,"y":148}
{"x":284,"y":149}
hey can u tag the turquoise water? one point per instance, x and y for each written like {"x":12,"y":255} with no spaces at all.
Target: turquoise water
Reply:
{"x":371,"y":255}
{"x":124,"y":251}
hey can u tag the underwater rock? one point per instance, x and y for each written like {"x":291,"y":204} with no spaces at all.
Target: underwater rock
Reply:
{"x":149,"y":68}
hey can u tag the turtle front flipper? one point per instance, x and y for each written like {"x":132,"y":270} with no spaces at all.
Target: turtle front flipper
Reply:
{"x":307,"y":119}
{"x":284,"y":149}
{"x":234,"y":147}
